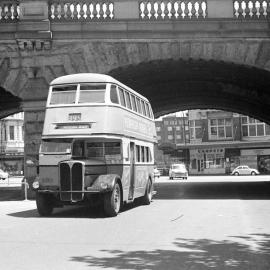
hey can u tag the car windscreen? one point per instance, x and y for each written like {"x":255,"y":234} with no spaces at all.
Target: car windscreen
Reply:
{"x":178,"y":167}
{"x":53,"y":146}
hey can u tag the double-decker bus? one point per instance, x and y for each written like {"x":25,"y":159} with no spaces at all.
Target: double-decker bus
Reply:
{"x":97,"y":145}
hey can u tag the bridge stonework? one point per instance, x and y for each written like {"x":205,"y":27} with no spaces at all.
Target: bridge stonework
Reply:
{"x":204,"y":55}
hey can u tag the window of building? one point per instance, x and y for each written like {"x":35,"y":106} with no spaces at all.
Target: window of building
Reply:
{"x":158,"y":129}
{"x":166,"y":122}
{"x":195,"y":129}
{"x":11,"y":133}
{"x":158,"y":137}
{"x":178,"y":128}
{"x":170,"y":137}
{"x":252,"y":127}
{"x":178,"y":137}
{"x":169,"y":128}
{"x":220,"y":128}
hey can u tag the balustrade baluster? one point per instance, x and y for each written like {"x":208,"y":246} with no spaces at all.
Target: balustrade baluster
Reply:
{"x":98,"y":10}
{"x":111,"y":9}
{"x":169,"y":8}
{"x":243,"y":6}
{"x":250,"y":7}
{"x":264,"y":6}
{"x":59,"y":11}
{"x":176,"y":8}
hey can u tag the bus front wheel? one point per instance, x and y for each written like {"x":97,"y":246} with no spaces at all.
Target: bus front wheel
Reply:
{"x":44,"y":204}
{"x":112,"y":201}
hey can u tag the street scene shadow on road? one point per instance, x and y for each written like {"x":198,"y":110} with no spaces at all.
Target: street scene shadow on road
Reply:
{"x":238,"y":252}
{"x":75,"y":211}
{"x":212,"y":190}
{"x":10,"y":194}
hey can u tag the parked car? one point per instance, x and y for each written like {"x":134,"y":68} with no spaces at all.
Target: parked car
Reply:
{"x":178,"y":170}
{"x":3,"y":175}
{"x":156,"y":173}
{"x":244,"y":170}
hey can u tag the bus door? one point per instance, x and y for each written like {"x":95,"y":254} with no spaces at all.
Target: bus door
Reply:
{"x":132,"y":171}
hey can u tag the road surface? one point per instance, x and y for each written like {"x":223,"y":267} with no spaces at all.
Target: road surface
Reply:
{"x":202,"y":223}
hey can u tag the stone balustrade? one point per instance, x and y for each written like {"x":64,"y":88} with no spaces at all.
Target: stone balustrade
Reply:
{"x":173,"y":9}
{"x":74,"y":10}
{"x":96,"y":10}
{"x":251,"y":9}
{"x":9,"y":11}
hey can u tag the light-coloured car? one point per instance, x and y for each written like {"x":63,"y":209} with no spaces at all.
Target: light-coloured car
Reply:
{"x":178,"y":171}
{"x":244,"y":170}
{"x":156,"y":173}
{"x":3,"y":175}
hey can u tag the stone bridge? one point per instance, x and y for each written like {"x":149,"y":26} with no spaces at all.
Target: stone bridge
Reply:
{"x":181,"y":54}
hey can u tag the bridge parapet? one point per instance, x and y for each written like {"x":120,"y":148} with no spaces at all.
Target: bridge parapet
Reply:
{"x":97,"y":10}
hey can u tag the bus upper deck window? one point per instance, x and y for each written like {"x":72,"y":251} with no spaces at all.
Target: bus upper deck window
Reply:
{"x":113,"y":94}
{"x":128,"y":100}
{"x":147,"y":109}
{"x":143,"y":108}
{"x":139,"y":105}
{"x":92,"y":93}
{"x":134,"y":105}
{"x":63,"y":94}
{"x":122,"y":97}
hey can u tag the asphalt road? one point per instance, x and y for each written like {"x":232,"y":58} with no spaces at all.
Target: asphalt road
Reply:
{"x":202,"y":223}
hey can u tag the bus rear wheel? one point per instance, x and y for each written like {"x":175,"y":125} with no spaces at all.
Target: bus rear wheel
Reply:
{"x":44,"y":204}
{"x":112,"y":201}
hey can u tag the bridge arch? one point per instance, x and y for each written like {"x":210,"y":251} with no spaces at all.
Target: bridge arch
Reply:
{"x":174,"y":85}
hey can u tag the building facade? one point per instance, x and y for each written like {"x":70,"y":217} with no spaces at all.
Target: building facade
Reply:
{"x":218,"y":141}
{"x":12,"y":144}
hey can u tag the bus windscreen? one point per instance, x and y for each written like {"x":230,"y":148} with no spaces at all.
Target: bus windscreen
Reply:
{"x":56,"y":146}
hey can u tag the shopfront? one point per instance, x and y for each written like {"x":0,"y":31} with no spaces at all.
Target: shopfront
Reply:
{"x":207,"y":161}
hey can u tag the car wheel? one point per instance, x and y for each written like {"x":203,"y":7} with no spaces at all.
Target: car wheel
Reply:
{"x":253,"y":173}
{"x":44,"y":204}
{"x":236,"y":173}
{"x":147,"y":198}
{"x":112,"y":201}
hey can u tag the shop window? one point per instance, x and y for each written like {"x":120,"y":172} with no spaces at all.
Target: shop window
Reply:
{"x":138,"y":153}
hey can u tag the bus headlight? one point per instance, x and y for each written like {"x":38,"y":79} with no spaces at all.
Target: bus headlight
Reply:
{"x":35,"y":185}
{"x":103,"y":185}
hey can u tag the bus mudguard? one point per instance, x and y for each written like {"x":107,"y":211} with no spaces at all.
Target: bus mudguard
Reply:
{"x":104,"y":182}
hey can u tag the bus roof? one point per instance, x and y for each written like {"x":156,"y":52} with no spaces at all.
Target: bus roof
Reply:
{"x":90,"y":78}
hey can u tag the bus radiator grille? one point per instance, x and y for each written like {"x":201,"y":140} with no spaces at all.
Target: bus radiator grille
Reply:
{"x":71,"y":179}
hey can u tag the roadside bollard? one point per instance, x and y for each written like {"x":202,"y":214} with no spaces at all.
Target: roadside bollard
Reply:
{"x":26,"y":186}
